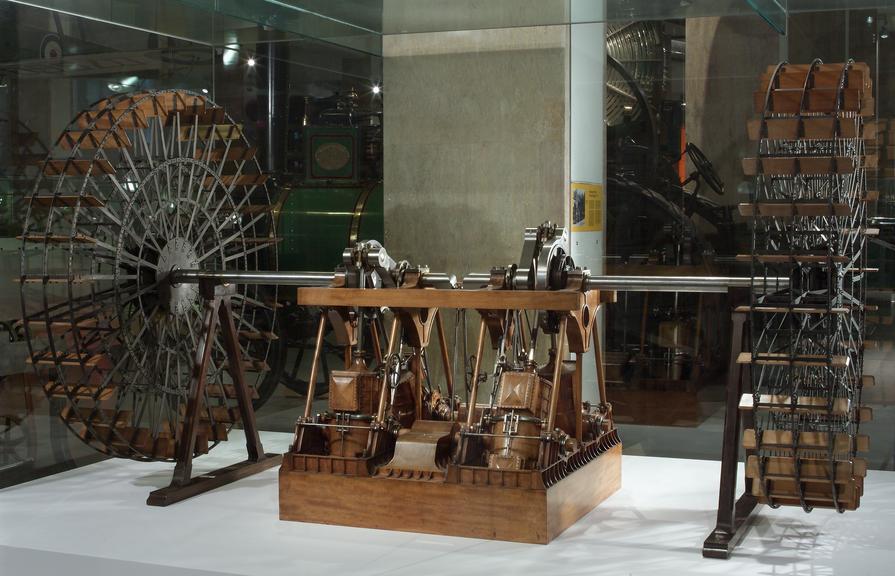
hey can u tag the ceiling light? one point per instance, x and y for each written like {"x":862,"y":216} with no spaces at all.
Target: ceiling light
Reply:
{"x":251,"y":62}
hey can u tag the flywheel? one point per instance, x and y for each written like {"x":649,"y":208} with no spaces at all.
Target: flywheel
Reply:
{"x":137,"y":186}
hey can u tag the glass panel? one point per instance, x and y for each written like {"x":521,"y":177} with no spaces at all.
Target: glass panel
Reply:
{"x":53,"y":66}
{"x":222,"y":21}
{"x":773,"y":12}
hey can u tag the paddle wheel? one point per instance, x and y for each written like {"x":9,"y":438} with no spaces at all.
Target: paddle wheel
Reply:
{"x":138,"y":186}
{"x":803,"y":414}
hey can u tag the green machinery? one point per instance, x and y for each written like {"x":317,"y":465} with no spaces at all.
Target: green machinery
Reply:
{"x":337,"y":201}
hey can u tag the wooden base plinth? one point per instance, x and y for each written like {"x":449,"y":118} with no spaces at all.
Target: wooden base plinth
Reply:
{"x":534,"y":516}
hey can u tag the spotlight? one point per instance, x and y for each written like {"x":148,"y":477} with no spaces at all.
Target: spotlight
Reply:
{"x":376,"y":89}
{"x":205,"y":90}
{"x":251,"y":62}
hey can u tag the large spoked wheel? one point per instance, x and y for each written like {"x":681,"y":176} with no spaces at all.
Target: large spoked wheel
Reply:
{"x":137,"y":186}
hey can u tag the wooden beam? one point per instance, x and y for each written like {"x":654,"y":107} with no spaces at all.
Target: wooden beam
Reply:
{"x":431,"y":298}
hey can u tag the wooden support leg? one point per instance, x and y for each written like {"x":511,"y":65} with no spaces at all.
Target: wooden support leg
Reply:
{"x":600,"y":367}
{"x":576,"y":396}
{"x":445,"y":355}
{"x":183,"y":485}
{"x":732,"y":515}
{"x":312,"y":382}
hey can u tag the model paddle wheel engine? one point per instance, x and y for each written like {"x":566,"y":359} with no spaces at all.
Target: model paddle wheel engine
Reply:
{"x":523,"y":465}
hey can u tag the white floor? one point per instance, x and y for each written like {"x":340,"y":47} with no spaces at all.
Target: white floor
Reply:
{"x":94,"y":521}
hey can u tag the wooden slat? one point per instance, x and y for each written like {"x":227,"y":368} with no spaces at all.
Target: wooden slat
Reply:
{"x":220,"y":414}
{"x":57,"y":238}
{"x":811,"y":470}
{"x":775,"y":359}
{"x":864,"y":414}
{"x":105,"y":119}
{"x":100,"y":418}
{"x":48,"y":359}
{"x":221,"y":153}
{"x":228,"y":391}
{"x":804,"y":404}
{"x":67,"y":200}
{"x":73,"y":167}
{"x":40,"y":327}
{"x":803,"y":68}
{"x":824,"y":100}
{"x":231,"y":180}
{"x":469,"y":299}
{"x":220,"y":132}
{"x":257,"y":335}
{"x":786,"y":492}
{"x":203,"y":117}
{"x":108,"y":139}
{"x":826,"y":76}
{"x":251,"y":365}
{"x":809,"y":128}
{"x":782,"y":440}
{"x":59,"y":390}
{"x":795,"y":165}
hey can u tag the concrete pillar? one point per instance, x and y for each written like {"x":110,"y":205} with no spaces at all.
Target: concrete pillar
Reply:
{"x":475,"y":143}
{"x":588,"y":150}
{"x":475,"y":147}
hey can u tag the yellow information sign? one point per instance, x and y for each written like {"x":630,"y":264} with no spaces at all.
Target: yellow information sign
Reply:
{"x":587,"y":207}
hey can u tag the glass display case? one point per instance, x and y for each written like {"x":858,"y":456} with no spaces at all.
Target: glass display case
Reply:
{"x":442,"y":129}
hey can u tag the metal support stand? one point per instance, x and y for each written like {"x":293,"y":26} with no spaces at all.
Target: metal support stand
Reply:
{"x":217,"y":313}
{"x":732,"y":515}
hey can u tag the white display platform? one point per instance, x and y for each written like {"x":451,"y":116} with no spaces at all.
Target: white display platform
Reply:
{"x":94,"y":521}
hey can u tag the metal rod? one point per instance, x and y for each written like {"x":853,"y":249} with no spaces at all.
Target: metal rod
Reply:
{"x":310,"y":279}
{"x":312,"y":380}
{"x":698,"y":284}
{"x":557,"y":374}
{"x":288,"y":278}
{"x":383,"y":390}
{"x":710,"y":284}
{"x":445,"y":357}
{"x":479,"y":350}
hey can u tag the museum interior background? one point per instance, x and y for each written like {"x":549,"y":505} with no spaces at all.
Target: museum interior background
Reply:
{"x":462,"y":128}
